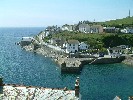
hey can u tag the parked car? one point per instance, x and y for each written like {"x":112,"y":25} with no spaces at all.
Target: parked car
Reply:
{"x":101,"y":54}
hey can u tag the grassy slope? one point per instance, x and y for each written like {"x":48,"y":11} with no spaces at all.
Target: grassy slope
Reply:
{"x":103,"y":40}
{"x":124,"y":21}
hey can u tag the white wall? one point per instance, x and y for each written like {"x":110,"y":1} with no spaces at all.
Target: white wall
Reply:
{"x":85,"y":29}
{"x":83,"y":46}
{"x":127,"y":30}
{"x":72,"y":48}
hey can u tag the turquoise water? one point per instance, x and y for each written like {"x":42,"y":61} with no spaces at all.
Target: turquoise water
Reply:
{"x":97,"y":82}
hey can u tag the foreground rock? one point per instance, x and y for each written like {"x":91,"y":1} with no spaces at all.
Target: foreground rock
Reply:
{"x":128,"y":60}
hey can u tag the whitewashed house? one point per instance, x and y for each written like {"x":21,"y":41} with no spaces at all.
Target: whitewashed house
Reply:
{"x":109,"y":29}
{"x":71,"y":46}
{"x":127,"y":30}
{"x":96,"y":29}
{"x":115,"y":51}
{"x":83,"y":46}
{"x":51,"y":30}
{"x":57,"y":41}
{"x":42,"y":35}
{"x":123,"y":46}
{"x":67,"y":27}
{"x":84,"y":28}
{"x":26,"y":41}
{"x":47,"y":32}
{"x":126,"y":49}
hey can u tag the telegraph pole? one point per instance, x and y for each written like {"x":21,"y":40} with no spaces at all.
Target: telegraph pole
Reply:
{"x":129,"y":12}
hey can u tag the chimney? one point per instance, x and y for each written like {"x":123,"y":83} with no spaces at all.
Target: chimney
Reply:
{"x":1,"y":81}
{"x":130,"y":98}
{"x":77,"y":87}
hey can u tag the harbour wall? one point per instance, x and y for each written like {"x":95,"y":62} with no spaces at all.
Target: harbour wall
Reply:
{"x":75,"y":65}
{"x":108,"y":60}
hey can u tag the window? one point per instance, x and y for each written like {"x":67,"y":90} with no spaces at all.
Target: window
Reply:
{"x":69,"y":44}
{"x":73,"y":47}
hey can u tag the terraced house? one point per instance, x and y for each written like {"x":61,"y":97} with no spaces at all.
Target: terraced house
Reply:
{"x":71,"y":46}
{"x":85,"y":28}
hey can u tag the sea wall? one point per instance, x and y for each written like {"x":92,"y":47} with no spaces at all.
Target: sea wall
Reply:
{"x":108,"y":60}
{"x":73,"y":64}
{"x":1,"y":81}
{"x":76,"y":64}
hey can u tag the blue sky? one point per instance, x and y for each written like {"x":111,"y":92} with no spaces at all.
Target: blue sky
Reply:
{"x":32,"y":13}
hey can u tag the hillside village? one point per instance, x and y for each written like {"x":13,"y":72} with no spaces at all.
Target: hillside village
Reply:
{"x":74,"y":39}
{"x":73,"y":45}
{"x":85,"y":43}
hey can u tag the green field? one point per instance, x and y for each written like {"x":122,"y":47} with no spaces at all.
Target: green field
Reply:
{"x":125,"y":22}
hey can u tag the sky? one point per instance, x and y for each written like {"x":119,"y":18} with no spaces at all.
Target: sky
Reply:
{"x":42,"y":13}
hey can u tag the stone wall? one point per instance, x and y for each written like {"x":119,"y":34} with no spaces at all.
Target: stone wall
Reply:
{"x":108,"y":60}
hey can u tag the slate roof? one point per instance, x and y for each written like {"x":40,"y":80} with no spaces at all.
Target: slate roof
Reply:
{"x":96,"y":26}
{"x":13,"y":92}
{"x":83,"y":25}
{"x":27,"y":38}
{"x":73,"y":41}
{"x":115,"y":48}
{"x":108,"y":28}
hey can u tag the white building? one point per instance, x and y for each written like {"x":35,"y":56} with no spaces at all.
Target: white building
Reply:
{"x":124,"y":46}
{"x":90,"y":28}
{"x":115,"y":51}
{"x":26,"y":41}
{"x":51,"y":30}
{"x":127,"y":30}
{"x":109,"y":29}
{"x":67,"y":27}
{"x":41,"y":35}
{"x":84,"y":28}
{"x":71,"y":46}
{"x":83,"y":46}
{"x":96,"y":29}
{"x":47,"y":32}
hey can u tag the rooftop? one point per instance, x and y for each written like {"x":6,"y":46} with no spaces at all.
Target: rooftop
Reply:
{"x":73,"y":41}
{"x":27,"y":38}
{"x":115,"y":48}
{"x":83,"y":25}
{"x":12,"y":92}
